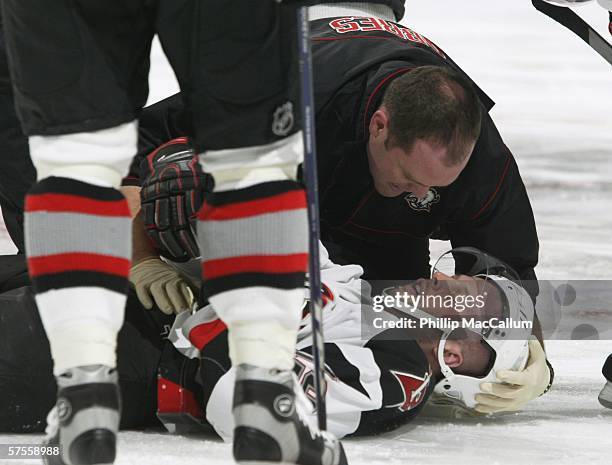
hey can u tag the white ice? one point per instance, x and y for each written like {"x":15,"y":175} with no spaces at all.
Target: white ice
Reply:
{"x":553,"y":99}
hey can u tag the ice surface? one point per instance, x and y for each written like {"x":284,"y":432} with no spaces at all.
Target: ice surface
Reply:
{"x":553,"y":99}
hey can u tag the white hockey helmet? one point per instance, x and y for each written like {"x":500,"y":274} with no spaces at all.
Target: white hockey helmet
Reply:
{"x":509,"y":346}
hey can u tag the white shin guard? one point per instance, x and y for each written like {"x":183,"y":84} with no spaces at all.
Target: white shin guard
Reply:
{"x":99,"y":157}
{"x":244,"y":167}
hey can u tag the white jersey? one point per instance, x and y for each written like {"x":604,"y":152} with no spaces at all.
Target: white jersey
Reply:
{"x":372,"y":385}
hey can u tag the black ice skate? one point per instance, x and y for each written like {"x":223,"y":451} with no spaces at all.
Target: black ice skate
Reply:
{"x":271,"y":425}
{"x":85,"y":419}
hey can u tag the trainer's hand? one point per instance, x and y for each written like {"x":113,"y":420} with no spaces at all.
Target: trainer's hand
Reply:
{"x":156,"y":281}
{"x":520,"y":386}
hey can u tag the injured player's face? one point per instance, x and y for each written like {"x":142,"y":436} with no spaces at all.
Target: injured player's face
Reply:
{"x":460,"y":296}
{"x":465,"y":352}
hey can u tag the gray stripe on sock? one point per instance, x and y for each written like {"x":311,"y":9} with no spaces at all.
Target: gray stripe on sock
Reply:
{"x":56,"y":233}
{"x":280,"y":233}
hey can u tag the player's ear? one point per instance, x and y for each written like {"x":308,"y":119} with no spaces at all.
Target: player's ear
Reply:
{"x":453,"y":356}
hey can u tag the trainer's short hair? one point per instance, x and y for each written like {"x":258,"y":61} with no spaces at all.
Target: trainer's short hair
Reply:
{"x":434,"y":103}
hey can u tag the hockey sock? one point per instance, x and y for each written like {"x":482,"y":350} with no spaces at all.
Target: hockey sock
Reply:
{"x":78,"y":246}
{"x":254,"y":246}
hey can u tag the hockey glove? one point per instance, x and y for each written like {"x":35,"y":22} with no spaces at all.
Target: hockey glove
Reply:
{"x":157,"y":282}
{"x":171,"y":195}
{"x":519,"y":387}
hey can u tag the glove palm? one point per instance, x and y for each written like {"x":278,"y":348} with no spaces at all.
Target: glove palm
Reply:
{"x":519,"y":387}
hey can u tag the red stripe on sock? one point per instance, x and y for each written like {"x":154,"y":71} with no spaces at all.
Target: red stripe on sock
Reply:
{"x":64,"y":262}
{"x":75,"y":204}
{"x":272,"y":264}
{"x":293,"y":200}
{"x":202,"y":334}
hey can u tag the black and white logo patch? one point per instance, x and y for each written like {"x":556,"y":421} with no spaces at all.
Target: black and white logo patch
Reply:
{"x":283,"y":120}
{"x":64,"y":409}
{"x":283,"y":405}
{"x":423,"y":204}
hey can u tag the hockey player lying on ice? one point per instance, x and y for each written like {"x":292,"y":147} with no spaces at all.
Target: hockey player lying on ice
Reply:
{"x":376,"y":380}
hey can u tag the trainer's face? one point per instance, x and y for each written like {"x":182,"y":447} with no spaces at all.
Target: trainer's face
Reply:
{"x":396,"y":171}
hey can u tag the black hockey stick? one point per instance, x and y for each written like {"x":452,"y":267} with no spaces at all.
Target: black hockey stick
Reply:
{"x":312,"y":192}
{"x":568,"y":18}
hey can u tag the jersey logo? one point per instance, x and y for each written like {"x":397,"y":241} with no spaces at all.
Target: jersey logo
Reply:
{"x":363,"y":24}
{"x":413,"y":387}
{"x":424,"y":204}
{"x":304,"y":370}
{"x":283,"y":120}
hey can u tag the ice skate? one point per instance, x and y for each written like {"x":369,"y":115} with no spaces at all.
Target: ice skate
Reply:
{"x":272,"y":425}
{"x":85,"y":419}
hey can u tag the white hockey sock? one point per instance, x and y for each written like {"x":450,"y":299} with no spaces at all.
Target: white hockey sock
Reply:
{"x":265,"y":344}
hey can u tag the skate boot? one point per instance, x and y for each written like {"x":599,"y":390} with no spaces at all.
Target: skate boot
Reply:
{"x":85,"y":419}
{"x":272,"y":425}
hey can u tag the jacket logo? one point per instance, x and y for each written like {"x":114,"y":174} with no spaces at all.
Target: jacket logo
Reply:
{"x":424,"y":204}
{"x":413,"y":388}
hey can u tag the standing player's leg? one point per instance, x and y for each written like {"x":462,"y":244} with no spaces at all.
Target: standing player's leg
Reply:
{"x":16,"y":171}
{"x":77,"y":86}
{"x":252,"y":230}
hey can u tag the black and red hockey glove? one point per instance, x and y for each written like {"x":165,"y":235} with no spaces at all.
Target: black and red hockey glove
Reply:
{"x":172,"y":193}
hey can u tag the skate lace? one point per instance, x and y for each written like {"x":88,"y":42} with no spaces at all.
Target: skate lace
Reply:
{"x":52,"y":422}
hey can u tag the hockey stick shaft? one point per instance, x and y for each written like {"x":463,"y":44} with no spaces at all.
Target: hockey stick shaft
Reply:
{"x":568,"y":18}
{"x":312,"y":192}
